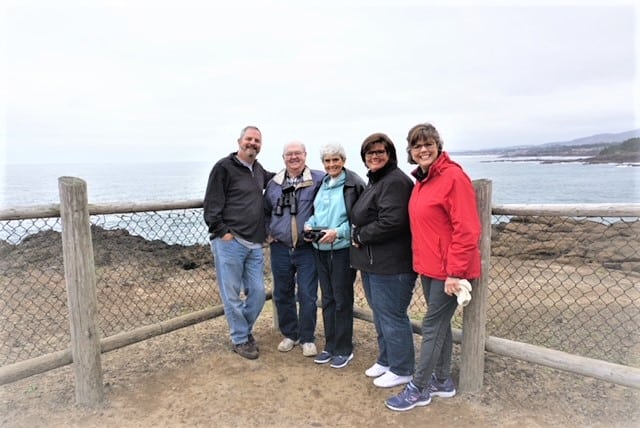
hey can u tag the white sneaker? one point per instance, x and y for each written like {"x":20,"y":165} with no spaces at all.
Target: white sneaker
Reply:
{"x":287,"y":344}
{"x":309,"y":349}
{"x":376,"y":370}
{"x":390,"y":379}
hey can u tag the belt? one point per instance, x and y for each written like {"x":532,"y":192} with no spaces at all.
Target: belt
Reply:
{"x":303,"y":244}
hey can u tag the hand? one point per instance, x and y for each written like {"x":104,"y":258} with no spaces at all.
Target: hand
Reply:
{"x":355,"y":236}
{"x":330,"y":236}
{"x":451,"y":285}
{"x":227,"y":236}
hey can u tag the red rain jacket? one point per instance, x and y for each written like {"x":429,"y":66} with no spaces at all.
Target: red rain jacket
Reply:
{"x":444,"y":220}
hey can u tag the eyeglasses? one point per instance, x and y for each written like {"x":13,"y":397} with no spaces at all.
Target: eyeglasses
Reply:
{"x":417,"y":147}
{"x":293,"y":154}
{"x":372,"y":153}
{"x":332,"y":160}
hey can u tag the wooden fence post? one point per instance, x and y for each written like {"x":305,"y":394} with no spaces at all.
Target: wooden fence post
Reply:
{"x":79,"y":272}
{"x":474,"y":316}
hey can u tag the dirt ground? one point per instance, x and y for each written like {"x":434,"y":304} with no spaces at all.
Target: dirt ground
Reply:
{"x":191,"y":378}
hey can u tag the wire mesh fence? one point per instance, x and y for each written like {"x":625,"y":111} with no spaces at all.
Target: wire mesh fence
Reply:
{"x":559,"y":282}
{"x":567,"y":283}
{"x":150,"y":267}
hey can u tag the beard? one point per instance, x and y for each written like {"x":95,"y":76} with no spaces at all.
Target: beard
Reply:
{"x":249,"y":151}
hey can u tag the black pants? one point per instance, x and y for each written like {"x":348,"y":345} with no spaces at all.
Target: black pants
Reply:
{"x":336,"y":283}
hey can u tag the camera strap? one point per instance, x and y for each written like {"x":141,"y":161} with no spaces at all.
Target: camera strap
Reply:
{"x":294,"y":231}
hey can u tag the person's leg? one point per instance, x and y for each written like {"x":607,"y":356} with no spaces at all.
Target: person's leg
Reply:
{"x":307,"y":280}
{"x":229,"y":263}
{"x":342,"y":278}
{"x":443,"y":366}
{"x":391,"y":296}
{"x":323,"y":260}
{"x":383,"y":360}
{"x":253,"y":280}
{"x":284,"y":290}
{"x":436,"y":328}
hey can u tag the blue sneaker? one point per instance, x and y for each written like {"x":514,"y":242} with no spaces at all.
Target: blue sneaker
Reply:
{"x":323,"y":358}
{"x":444,"y":389}
{"x":409,"y":398}
{"x":340,"y":361}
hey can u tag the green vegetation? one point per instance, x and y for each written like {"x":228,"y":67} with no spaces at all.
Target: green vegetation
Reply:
{"x":627,"y":151}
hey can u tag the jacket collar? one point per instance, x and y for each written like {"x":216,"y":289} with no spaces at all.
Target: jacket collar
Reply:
{"x":377,"y":175}
{"x":307,"y":178}
{"x":435,"y":169}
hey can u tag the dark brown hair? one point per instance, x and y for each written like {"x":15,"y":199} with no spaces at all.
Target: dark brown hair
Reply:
{"x":422,"y":132}
{"x":383,"y":139}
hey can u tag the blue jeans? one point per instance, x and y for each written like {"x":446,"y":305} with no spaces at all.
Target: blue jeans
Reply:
{"x":336,"y":282}
{"x":437,"y":342}
{"x":291,"y":266}
{"x":239,"y":270}
{"x":389,"y":297}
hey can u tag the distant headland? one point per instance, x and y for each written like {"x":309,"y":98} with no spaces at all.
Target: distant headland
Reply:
{"x":620,"y":148}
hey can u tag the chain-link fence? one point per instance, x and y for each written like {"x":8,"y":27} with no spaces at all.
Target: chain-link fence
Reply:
{"x":560,"y":282}
{"x":567,"y":283}
{"x":150,"y":267}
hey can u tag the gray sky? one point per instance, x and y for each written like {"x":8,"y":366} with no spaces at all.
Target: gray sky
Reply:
{"x":149,"y":81}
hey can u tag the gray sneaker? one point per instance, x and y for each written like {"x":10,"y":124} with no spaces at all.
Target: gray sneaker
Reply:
{"x":408,"y":398}
{"x":444,"y":389}
{"x":340,"y":361}
{"x":287,"y":344}
{"x":323,"y":358}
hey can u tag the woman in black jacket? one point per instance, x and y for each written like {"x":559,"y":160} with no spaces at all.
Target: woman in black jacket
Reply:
{"x":381,"y":250}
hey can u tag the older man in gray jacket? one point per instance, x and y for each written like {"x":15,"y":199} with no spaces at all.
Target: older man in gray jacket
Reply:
{"x":288,"y":205}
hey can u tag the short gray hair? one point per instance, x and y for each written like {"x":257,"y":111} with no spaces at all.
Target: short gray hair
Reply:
{"x":246,"y":128}
{"x":332,"y":149}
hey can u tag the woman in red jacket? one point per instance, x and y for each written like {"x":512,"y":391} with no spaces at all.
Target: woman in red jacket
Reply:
{"x":445,"y":230}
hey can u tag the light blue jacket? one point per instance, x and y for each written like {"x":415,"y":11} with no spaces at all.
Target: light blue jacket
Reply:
{"x":332,"y":207}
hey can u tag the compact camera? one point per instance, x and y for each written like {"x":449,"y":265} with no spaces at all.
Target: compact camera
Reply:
{"x":314,"y":234}
{"x":288,"y":199}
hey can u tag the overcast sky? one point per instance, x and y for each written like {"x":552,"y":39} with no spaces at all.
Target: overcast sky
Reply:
{"x":159,"y":80}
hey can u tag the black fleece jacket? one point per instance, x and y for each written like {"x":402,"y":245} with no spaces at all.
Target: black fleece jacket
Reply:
{"x":233,"y":200}
{"x":381,"y":220}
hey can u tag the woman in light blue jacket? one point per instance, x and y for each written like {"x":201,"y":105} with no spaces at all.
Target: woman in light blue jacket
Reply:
{"x":330,"y":229}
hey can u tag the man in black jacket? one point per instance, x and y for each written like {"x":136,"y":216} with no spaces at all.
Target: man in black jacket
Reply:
{"x":234,"y":213}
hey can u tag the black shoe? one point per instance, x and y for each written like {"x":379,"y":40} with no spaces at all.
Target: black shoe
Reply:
{"x":246,"y":350}
{"x":252,"y":341}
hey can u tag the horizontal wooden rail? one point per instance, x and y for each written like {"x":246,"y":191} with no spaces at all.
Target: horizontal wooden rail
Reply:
{"x":573,"y":210}
{"x":14,"y":372}
{"x":53,"y":210}
{"x":603,"y":370}
{"x":580,"y":210}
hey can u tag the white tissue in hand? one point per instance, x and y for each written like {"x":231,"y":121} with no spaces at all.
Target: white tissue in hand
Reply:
{"x":464,"y":294}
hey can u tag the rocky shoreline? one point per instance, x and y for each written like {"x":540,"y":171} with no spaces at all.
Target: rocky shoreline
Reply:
{"x":567,"y":240}
{"x":570,"y":241}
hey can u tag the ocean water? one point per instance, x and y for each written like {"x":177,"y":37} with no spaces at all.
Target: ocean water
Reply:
{"x":514,"y":182}
{"x":535,"y":182}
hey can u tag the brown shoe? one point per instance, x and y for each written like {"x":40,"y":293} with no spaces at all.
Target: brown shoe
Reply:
{"x":252,"y":341}
{"x":246,"y":350}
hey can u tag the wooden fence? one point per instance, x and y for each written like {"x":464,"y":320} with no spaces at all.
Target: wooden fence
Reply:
{"x":86,"y":345}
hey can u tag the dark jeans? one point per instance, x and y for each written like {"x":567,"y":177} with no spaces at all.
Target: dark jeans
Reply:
{"x":437,"y":343}
{"x":336,"y":282}
{"x":389,"y":297}
{"x":291,"y":266}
